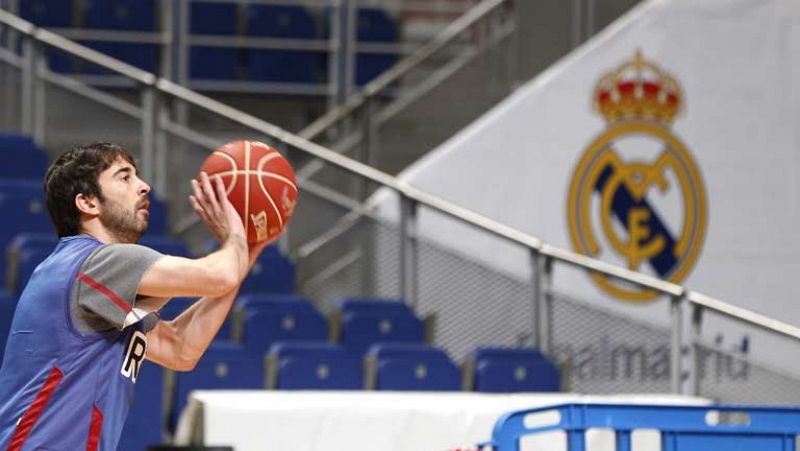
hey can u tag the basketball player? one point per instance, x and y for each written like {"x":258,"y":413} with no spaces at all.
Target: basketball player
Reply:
{"x":87,"y":318}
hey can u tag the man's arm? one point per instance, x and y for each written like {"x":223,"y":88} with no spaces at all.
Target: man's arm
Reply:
{"x":215,"y":274}
{"x":179,"y":344}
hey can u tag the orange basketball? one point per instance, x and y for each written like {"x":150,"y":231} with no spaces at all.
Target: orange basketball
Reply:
{"x":260,"y":183}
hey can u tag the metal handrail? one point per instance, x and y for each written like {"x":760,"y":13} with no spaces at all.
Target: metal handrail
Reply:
{"x":742,"y":314}
{"x":401,"y":68}
{"x":402,"y":188}
{"x":91,"y":55}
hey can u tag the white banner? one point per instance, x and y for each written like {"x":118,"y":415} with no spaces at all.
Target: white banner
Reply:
{"x":669,"y":144}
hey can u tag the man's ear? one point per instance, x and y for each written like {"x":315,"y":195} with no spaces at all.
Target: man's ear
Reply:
{"x":87,"y":204}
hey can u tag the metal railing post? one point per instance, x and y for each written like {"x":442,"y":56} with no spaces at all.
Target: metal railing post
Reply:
{"x":537,"y":276}
{"x":696,"y":370}
{"x":39,"y":97}
{"x":367,"y":148}
{"x":148,"y":132}
{"x":27,"y":101}
{"x":335,"y":93}
{"x":676,"y":344}
{"x":408,"y":251}
{"x":13,"y":36}
{"x":370,"y":140}
{"x":181,"y":38}
{"x":546,"y":319}
{"x":349,"y":28}
{"x":515,"y":57}
{"x":577,"y":22}
{"x":589,"y":19}
{"x":160,"y":147}
{"x":542,"y":279}
{"x":168,"y":21}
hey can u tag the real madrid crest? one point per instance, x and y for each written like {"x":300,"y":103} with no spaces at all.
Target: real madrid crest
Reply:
{"x":636,"y":197}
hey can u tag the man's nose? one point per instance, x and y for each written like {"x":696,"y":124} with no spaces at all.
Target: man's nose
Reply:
{"x":144,"y":189}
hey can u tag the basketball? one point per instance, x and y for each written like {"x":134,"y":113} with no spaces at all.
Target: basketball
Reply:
{"x":260,"y":184}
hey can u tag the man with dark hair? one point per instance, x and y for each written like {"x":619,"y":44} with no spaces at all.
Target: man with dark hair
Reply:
{"x":88,"y":312}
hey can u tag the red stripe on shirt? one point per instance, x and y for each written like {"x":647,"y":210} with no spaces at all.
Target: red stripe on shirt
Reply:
{"x":94,"y":429}
{"x":103,"y":289}
{"x":35,"y":410}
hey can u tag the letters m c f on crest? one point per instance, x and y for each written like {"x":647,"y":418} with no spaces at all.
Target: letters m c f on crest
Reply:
{"x":623,"y":191}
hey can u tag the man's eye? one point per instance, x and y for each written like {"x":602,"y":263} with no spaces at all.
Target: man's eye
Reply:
{"x":126,"y":178}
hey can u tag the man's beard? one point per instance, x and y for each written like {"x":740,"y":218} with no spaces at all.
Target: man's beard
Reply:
{"x":124,"y":224}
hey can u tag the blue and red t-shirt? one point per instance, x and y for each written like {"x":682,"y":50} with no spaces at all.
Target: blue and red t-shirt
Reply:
{"x":75,"y":347}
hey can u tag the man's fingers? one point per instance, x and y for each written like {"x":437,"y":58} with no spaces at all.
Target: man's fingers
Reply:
{"x":211,"y":195}
{"x":195,"y":189}
{"x":222,"y":195}
{"x":198,"y":193}
{"x":198,"y":209}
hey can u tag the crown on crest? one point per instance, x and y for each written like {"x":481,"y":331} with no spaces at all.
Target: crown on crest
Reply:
{"x":638,"y":89}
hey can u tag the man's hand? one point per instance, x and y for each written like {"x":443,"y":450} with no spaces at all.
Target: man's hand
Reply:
{"x":211,"y":204}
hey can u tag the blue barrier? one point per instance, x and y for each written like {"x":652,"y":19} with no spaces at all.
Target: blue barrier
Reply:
{"x":682,"y":428}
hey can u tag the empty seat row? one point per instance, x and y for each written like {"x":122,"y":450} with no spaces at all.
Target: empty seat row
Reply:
{"x":259,"y":320}
{"x":220,"y":19}
{"x":294,"y":336}
{"x":407,"y":366}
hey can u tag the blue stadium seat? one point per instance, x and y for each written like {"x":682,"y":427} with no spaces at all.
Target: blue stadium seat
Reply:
{"x":375,"y":305}
{"x":25,"y":251}
{"x":26,"y":214}
{"x":223,"y":366}
{"x":50,"y":14}
{"x":26,"y":186}
{"x":296,"y":365}
{"x":166,"y":245}
{"x":371,"y":323}
{"x":30,"y":162}
{"x":176,"y":306}
{"x":213,"y":63}
{"x":29,"y":259}
{"x":143,"y":56}
{"x":128,"y":15}
{"x":412,"y":366}
{"x":514,"y":370}
{"x":374,"y":25}
{"x":157,"y":222}
{"x":16,"y":142}
{"x":297,"y":66}
{"x":145,"y":422}
{"x":272,"y":273}
{"x":267,"y":319}
{"x":47,"y":13}
{"x":7,"y":304}
{"x":30,"y":239}
{"x":131,"y":15}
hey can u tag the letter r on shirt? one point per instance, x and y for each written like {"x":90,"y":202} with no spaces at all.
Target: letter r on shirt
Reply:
{"x":134,"y":356}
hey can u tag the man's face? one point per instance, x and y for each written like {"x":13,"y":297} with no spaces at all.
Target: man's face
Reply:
{"x":124,"y":209}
